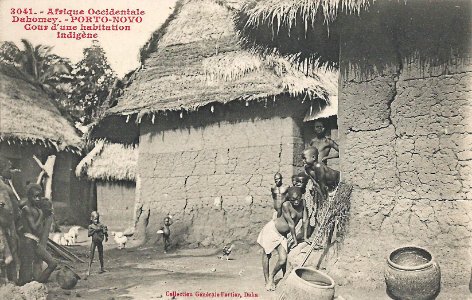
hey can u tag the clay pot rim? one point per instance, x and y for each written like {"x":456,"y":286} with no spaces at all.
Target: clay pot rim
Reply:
{"x":325,"y":287}
{"x":407,"y":268}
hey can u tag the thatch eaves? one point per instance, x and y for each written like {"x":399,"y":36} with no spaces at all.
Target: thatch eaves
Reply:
{"x":109,"y":162}
{"x":199,"y":61}
{"x":28,"y":115}
{"x":313,"y":30}
{"x":289,"y":12}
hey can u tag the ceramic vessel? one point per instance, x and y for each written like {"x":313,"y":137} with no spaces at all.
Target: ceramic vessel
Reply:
{"x":308,"y":283}
{"x":66,"y":278}
{"x":412,"y":274}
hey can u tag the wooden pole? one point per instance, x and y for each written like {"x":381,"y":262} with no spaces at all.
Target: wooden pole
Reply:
{"x":47,"y":169}
{"x":63,"y":252}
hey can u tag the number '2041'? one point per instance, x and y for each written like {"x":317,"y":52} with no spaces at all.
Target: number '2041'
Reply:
{"x":19,"y":11}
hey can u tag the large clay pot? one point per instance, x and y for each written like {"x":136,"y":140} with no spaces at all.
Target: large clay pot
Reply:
{"x":308,"y":283}
{"x":412,"y":274}
{"x":66,"y":278}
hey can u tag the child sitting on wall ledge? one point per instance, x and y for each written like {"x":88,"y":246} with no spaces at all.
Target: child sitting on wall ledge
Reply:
{"x":323,"y":143}
{"x":322,"y":180}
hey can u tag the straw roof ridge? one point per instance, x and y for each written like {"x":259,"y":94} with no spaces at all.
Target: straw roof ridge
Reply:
{"x":29,"y":115}
{"x":110,"y":162}
{"x":199,"y":61}
{"x":152,"y":44}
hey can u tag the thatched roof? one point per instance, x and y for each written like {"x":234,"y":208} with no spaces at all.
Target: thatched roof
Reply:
{"x":286,"y":12}
{"x":28,"y":115}
{"x":197,"y":61}
{"x":109,"y":161}
{"x":311,"y":29}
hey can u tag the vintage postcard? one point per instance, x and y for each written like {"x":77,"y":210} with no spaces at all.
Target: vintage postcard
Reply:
{"x":235,"y":149}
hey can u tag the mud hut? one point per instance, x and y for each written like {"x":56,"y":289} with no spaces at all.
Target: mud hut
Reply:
{"x":215,"y":123}
{"x":112,"y":168}
{"x":31,"y":126}
{"x":404,"y":120}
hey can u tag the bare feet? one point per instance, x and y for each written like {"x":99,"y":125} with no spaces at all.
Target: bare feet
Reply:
{"x":270,"y":286}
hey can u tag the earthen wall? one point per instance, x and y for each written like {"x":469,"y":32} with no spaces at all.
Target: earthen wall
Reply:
{"x":115,"y":202}
{"x":186,"y":168}
{"x":406,"y":136}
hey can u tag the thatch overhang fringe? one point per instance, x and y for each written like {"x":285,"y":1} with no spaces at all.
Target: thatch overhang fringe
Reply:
{"x":199,"y":62}
{"x":287,"y":12}
{"x":109,"y":162}
{"x":313,"y":29}
{"x":321,"y":110}
{"x":27,"y":115}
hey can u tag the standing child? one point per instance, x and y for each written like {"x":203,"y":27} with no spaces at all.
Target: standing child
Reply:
{"x":299,"y":180}
{"x":31,"y":228}
{"x":98,"y":232}
{"x":165,"y":231}
{"x":278,"y":191}
{"x":273,"y":235}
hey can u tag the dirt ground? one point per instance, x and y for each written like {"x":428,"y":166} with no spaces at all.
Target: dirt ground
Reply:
{"x":148,"y":273}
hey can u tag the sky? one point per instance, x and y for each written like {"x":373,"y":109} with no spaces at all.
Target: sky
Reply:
{"x":121,"y":47}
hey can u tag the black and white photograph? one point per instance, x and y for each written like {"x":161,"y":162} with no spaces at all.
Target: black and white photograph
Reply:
{"x":236,"y":149}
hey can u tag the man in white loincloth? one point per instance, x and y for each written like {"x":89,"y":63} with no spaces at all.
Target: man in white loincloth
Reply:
{"x":274,"y":234}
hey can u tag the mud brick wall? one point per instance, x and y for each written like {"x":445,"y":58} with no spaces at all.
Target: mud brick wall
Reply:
{"x":183,"y":169}
{"x":115,"y":203}
{"x":70,"y":195}
{"x":406,"y":136}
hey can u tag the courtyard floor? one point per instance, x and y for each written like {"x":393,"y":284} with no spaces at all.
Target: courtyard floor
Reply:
{"x":148,"y":273}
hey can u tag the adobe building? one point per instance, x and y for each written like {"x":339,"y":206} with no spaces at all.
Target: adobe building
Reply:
{"x":215,"y":123}
{"x":30,"y":125}
{"x":404,"y":122}
{"x":111,"y":168}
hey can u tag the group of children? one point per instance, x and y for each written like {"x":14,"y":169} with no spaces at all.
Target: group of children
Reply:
{"x":290,"y":207}
{"x":292,"y":211}
{"x":99,"y":233}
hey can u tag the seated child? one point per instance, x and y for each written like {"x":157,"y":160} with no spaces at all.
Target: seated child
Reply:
{"x":322,"y":181}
